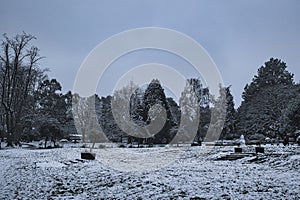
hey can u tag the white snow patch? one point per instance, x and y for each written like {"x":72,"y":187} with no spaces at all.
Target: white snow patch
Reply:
{"x":61,"y":174}
{"x":50,"y":164}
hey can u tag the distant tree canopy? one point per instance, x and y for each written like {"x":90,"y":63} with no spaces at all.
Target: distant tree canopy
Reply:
{"x":33,"y":106}
{"x":269,"y":108}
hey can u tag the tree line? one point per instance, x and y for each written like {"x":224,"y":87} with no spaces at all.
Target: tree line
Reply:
{"x":33,"y":106}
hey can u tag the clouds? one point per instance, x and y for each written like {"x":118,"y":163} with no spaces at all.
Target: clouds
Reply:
{"x":239,"y":35}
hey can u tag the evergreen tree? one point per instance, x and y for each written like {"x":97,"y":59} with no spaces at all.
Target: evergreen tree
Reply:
{"x":105,"y":117}
{"x":175,"y":111}
{"x":264,"y":100}
{"x":290,"y":118}
{"x":48,"y":98}
{"x":228,"y":131}
{"x":273,"y":73}
{"x":137,"y":107}
{"x":154,"y":94}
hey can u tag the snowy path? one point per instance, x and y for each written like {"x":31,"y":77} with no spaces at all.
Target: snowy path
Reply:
{"x":60,"y":174}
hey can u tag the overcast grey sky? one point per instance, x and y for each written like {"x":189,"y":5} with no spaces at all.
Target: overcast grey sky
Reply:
{"x":239,"y":35}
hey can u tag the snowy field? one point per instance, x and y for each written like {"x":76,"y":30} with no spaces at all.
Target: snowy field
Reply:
{"x":193,"y":174}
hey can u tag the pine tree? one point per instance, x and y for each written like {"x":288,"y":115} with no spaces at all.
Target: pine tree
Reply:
{"x":273,"y":73}
{"x":228,"y":131}
{"x":175,"y":111}
{"x":137,"y":107}
{"x":264,"y":100}
{"x":154,"y":94}
{"x":290,"y":118}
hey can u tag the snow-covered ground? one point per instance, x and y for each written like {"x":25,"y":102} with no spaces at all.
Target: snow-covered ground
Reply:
{"x":154,"y":173}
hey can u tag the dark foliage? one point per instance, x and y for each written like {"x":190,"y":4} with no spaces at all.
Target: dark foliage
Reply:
{"x":265,"y":99}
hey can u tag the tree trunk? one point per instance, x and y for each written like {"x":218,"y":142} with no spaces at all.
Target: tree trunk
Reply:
{"x":83,"y":135}
{"x":9,"y":140}
{"x":16,"y":81}
{"x":46,"y":142}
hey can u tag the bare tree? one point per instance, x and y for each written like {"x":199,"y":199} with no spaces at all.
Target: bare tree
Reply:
{"x":85,"y":117}
{"x":18,"y":64}
{"x":81,"y":115}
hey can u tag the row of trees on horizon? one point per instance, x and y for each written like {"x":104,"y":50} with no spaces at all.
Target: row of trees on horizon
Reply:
{"x":33,"y":106}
